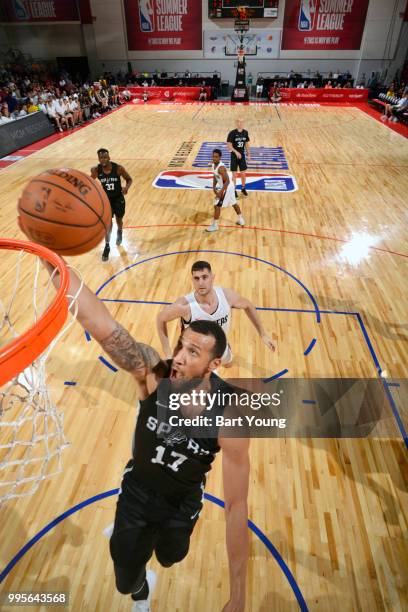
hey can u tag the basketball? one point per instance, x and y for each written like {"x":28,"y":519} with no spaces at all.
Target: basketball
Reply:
{"x":65,"y":210}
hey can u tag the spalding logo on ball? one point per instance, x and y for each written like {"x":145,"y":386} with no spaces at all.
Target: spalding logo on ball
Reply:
{"x":65,"y":210}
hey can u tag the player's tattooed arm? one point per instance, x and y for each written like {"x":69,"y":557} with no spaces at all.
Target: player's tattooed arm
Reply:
{"x":127,"y":177}
{"x":130,"y":355}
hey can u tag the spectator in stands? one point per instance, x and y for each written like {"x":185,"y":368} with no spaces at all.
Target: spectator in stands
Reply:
{"x":328,"y":85}
{"x":5,"y":115}
{"x":202,"y":97}
{"x":153,"y":83}
{"x":393,"y":112}
{"x":276,"y":96}
{"x":391,"y":91}
{"x":32,"y":108}
{"x":126,"y":95}
{"x":180,"y":83}
{"x":53,"y":115}
{"x":21,"y":111}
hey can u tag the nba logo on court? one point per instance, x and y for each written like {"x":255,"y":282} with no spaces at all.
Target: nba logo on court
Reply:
{"x":146,"y":16}
{"x":307,"y":11}
{"x":190,"y":179}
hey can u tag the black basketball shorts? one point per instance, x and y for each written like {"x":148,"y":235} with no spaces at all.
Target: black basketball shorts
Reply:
{"x":238,"y":163}
{"x":118,"y":206}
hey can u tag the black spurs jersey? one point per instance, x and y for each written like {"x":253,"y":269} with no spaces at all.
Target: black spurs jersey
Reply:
{"x":111,"y":182}
{"x":238,"y":140}
{"x":166,"y":457}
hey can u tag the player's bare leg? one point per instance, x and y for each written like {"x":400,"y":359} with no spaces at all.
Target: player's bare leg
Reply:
{"x":106,"y":250}
{"x":241,"y":220}
{"x":234,"y":180}
{"x":243,"y":183}
{"x":214,"y":226}
{"x":119,"y":222}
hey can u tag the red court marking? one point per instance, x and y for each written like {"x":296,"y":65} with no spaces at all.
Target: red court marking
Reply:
{"x":262,"y":229}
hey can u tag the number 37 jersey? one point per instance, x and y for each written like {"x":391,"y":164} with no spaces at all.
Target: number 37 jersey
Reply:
{"x":111,"y":182}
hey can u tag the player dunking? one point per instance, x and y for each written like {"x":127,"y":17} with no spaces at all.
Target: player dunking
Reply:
{"x":224,"y":191}
{"x":161,"y":492}
{"x":109,"y":173}
{"x":208,"y":303}
{"x":238,"y":144}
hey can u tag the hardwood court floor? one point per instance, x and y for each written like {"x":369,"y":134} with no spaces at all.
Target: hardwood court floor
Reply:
{"x":336,"y":510}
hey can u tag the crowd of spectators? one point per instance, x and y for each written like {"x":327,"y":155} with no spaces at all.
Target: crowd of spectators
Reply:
{"x":66,"y":103}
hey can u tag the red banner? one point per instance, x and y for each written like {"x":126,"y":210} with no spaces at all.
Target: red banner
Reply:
{"x":36,"y":11}
{"x":168,"y":93}
{"x":163,"y":25}
{"x":323,"y":24}
{"x":323,"y":95}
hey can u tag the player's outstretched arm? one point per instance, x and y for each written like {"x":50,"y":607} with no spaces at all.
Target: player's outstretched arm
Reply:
{"x":235,"y":468}
{"x":94,"y":172}
{"x":134,"y":357}
{"x":241,"y":303}
{"x":169,"y":313}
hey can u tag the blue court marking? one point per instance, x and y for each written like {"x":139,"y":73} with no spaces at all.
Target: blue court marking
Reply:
{"x":309,"y":402}
{"x":70,"y":383}
{"x":330,"y":312}
{"x":268,"y":263}
{"x":272,"y":158}
{"x":310,"y":347}
{"x":215,"y":500}
{"x":107,"y":364}
{"x":384,"y":383}
{"x":275,"y":376}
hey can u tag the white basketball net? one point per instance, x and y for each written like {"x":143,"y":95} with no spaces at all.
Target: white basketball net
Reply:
{"x":31,"y":428}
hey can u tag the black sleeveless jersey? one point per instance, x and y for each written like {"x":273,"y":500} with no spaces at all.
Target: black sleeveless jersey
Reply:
{"x":111,"y":182}
{"x":167,"y":458}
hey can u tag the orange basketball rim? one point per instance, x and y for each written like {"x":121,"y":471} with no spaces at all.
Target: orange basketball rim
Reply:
{"x":21,"y":352}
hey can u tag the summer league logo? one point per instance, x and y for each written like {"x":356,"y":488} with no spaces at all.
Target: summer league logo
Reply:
{"x":190,"y":179}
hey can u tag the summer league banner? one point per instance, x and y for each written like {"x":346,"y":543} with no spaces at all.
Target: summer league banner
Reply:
{"x":265,"y":43}
{"x":276,"y":408}
{"x":163,"y":25}
{"x":323,"y":24}
{"x":35,"y":11}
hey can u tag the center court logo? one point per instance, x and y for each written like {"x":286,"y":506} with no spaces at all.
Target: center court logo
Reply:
{"x":190,"y":179}
{"x":146,"y":15}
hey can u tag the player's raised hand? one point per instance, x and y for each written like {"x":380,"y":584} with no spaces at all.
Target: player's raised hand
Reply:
{"x":267,"y":340}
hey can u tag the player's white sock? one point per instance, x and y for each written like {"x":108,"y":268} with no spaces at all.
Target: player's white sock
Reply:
{"x":241,"y":220}
{"x":213,"y":227}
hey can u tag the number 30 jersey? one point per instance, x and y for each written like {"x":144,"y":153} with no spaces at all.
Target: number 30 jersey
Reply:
{"x":111,"y":182}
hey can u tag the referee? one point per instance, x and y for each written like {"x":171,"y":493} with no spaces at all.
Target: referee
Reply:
{"x":238,"y":144}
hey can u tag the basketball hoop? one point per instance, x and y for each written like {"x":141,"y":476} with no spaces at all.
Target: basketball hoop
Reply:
{"x":31,"y":428}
